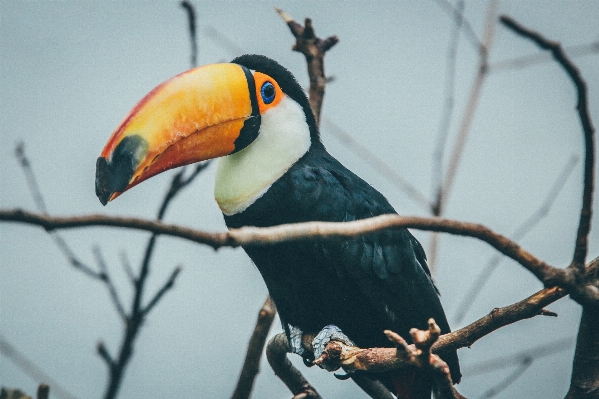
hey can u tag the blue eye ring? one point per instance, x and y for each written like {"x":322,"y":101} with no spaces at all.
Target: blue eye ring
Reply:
{"x":267,"y":91}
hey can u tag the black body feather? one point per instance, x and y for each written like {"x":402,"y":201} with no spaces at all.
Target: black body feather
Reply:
{"x":364,"y":285}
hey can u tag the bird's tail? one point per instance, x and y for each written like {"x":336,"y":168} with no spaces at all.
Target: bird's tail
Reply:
{"x":412,"y":384}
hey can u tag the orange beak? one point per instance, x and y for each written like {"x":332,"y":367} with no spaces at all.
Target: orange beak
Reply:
{"x":197,"y":115}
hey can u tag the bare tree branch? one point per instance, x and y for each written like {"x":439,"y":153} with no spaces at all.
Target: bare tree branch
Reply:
{"x":276,"y":353}
{"x":378,"y":164}
{"x":521,"y":231}
{"x":446,"y":185}
{"x":233,"y":48}
{"x":534,"y":59}
{"x":251,"y":366}
{"x":313,"y":48}
{"x":127,"y":267}
{"x":472,"y":103}
{"x":508,"y":380}
{"x":499,"y":317}
{"x":165,"y":287}
{"x":31,"y":369}
{"x":191,"y":15}
{"x":109,"y":285}
{"x":249,"y":236}
{"x":584,"y":226}
{"x":456,"y":14}
{"x":498,"y":363}
{"x":448,"y":103}
{"x":40,"y":204}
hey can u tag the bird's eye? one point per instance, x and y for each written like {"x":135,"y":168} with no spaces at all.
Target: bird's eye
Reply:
{"x":268,"y":92}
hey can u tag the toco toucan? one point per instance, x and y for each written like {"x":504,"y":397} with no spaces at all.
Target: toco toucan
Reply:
{"x":273,"y":169}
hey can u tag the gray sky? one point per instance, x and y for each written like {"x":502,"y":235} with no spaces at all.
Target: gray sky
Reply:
{"x":72,"y":70}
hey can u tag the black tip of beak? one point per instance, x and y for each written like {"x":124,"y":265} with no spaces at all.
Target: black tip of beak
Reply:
{"x":103,"y":178}
{"x":114,"y":175}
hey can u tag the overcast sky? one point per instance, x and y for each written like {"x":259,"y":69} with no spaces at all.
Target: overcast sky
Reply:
{"x":70,"y":71}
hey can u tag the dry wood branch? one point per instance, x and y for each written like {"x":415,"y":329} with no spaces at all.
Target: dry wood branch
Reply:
{"x":251,"y":366}
{"x":534,"y":59}
{"x":191,"y":16}
{"x":378,"y":164}
{"x":537,"y":352}
{"x":31,"y":369}
{"x":519,"y":233}
{"x":160,"y":293}
{"x":248,"y":236}
{"x":497,"y":318}
{"x":116,"y":301}
{"x":584,"y":226}
{"x":417,"y":355}
{"x":313,"y":48}
{"x":276,"y":353}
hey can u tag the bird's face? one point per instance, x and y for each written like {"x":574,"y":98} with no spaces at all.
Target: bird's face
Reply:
{"x":204,"y":113}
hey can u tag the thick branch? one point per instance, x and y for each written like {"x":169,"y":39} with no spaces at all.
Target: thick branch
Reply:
{"x":497,"y":318}
{"x":248,"y":236}
{"x":276,"y":353}
{"x":418,"y":356}
{"x":584,"y":226}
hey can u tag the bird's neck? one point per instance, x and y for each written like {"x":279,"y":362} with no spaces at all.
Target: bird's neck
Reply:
{"x":245,"y":176}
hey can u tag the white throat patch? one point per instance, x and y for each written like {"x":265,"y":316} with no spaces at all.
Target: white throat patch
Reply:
{"x":245,"y":176}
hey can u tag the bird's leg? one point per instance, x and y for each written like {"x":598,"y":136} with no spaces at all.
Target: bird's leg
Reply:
{"x":328,"y":333}
{"x":295,"y":341}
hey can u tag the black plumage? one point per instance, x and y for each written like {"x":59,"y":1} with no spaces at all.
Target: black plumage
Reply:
{"x":364,"y":285}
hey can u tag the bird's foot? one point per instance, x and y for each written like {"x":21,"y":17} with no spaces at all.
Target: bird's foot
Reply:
{"x":295,"y":343}
{"x":319,"y":343}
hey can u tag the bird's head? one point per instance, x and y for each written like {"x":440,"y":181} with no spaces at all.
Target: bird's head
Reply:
{"x":208,"y":112}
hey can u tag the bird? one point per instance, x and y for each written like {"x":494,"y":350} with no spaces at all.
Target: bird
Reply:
{"x":273,"y":169}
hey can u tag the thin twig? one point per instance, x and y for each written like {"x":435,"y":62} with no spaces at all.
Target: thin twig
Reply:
{"x":127,"y":267}
{"x":232,"y":48}
{"x":498,"y":363}
{"x":521,"y":231}
{"x":191,"y":15}
{"x":508,"y":380}
{"x":116,"y":301}
{"x":456,"y":14}
{"x":535,"y":59}
{"x":377,"y":163}
{"x":584,"y":226}
{"x":165,"y":287}
{"x":446,"y":185}
{"x":40,"y":204}
{"x":448,"y":104}
{"x":251,"y":365}
{"x":32,"y":369}
{"x":472,"y":103}
{"x":314,"y":49}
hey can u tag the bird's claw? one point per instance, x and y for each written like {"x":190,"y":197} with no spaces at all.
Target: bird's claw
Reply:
{"x":295,"y":341}
{"x":319,"y":344}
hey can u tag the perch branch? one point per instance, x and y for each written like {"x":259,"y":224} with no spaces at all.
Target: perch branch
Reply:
{"x":248,"y":236}
{"x":417,"y":355}
{"x":276,"y":353}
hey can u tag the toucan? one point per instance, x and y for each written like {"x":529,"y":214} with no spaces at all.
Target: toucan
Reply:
{"x":273,"y":169}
